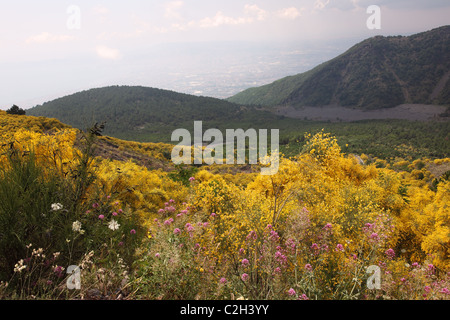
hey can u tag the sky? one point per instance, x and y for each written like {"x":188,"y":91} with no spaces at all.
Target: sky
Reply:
{"x":51,"y":48}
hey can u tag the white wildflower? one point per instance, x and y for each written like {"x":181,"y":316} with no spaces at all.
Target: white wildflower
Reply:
{"x":57,"y":206}
{"x":113,"y":225}
{"x":76,"y":226}
{"x":37,"y":252}
{"x":19,"y":266}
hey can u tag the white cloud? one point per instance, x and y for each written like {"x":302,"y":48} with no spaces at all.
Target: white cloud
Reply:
{"x":289,"y":13}
{"x":107,"y":53}
{"x":254,"y":10}
{"x":47,"y":37}
{"x":220,"y":19}
{"x":252,"y":13}
{"x":172,"y":10}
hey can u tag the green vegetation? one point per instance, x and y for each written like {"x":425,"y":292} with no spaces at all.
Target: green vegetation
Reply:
{"x":385,"y":139}
{"x":71,"y":198}
{"x":45,"y":219}
{"x":16,"y":110}
{"x":146,"y":122}
{"x":134,"y":113}
{"x":380,"y":72}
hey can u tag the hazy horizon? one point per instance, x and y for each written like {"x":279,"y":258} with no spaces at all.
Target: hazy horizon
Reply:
{"x":54,"y":48}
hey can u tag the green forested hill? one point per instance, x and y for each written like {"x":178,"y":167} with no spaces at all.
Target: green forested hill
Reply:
{"x":135,"y":113}
{"x":380,"y":72}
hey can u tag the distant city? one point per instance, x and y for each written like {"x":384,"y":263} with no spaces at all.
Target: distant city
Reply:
{"x":223,"y":71}
{"x":213,"y":69}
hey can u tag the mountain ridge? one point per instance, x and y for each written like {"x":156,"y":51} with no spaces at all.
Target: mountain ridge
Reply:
{"x":379,"y":72}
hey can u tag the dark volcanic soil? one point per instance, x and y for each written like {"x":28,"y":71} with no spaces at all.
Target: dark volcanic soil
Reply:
{"x":420,"y":112}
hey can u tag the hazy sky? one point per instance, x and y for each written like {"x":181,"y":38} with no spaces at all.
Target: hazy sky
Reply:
{"x":50,"y":48}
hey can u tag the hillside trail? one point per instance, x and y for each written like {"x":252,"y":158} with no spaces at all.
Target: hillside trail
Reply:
{"x":440,"y":86}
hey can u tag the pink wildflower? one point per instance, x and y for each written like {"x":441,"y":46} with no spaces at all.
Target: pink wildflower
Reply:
{"x":328,"y":226}
{"x":281,"y":258}
{"x":274,"y":236}
{"x":374,"y":236}
{"x":314,"y":247}
{"x":251,"y":235}
{"x":390,"y":253}
{"x":168,"y":222}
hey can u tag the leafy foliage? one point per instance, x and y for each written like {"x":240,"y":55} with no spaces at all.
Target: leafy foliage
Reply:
{"x":16,"y":110}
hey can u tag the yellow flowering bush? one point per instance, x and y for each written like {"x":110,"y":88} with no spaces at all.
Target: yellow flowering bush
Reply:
{"x":310,"y":231}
